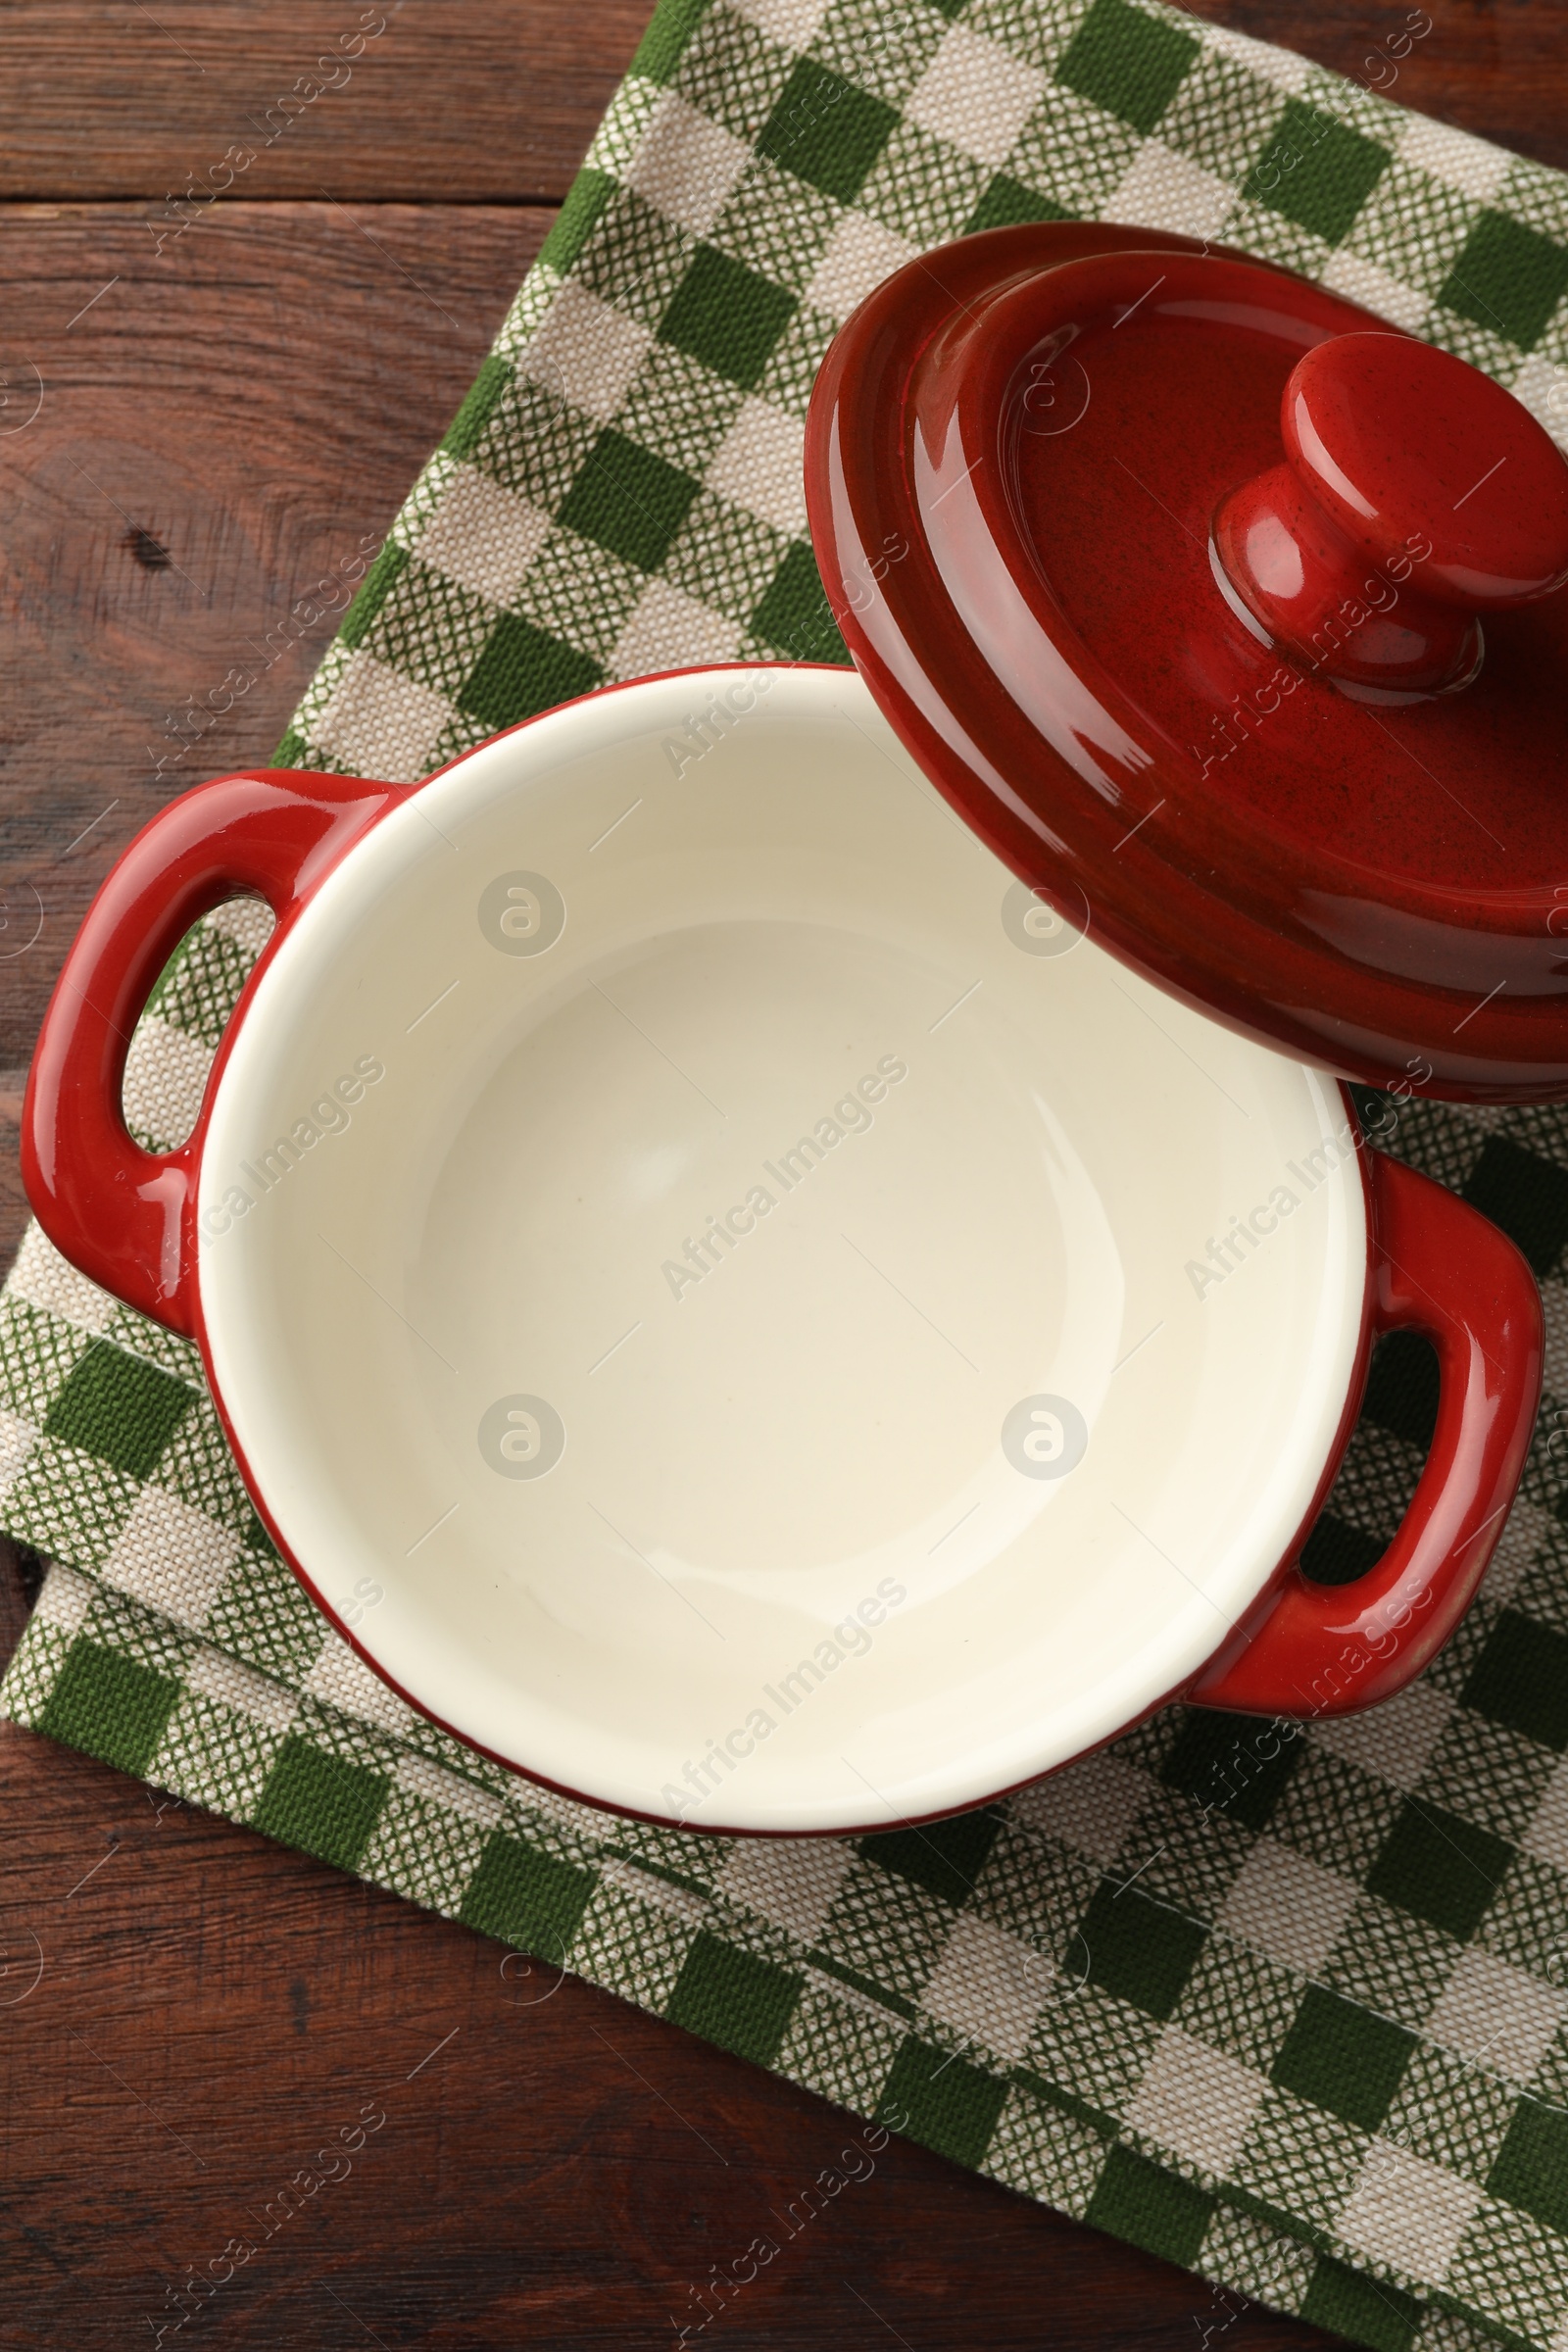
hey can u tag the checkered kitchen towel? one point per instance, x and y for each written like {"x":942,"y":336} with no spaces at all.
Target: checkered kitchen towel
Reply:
{"x":1290,"y":2009}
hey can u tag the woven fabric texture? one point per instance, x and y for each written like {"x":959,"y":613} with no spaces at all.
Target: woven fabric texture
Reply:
{"x":1289,"y":2006}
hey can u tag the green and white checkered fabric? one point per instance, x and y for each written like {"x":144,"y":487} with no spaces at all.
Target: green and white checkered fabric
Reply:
{"x":1289,"y":2007}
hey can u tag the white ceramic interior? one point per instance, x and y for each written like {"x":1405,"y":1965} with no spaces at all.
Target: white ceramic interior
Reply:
{"x":802,"y":1562}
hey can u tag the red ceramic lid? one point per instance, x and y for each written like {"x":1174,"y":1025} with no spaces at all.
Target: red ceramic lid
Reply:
{"x":1234,"y":621}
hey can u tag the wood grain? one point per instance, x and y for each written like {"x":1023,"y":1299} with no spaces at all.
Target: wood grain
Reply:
{"x":220,"y":425}
{"x":495,"y":103}
{"x":489,"y":101}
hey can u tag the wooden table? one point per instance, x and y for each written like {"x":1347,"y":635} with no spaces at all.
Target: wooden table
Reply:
{"x":190,"y":439}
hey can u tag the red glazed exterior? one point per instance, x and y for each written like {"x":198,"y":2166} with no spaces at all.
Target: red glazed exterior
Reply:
{"x":125,"y":1216}
{"x":1016,"y":541}
{"x":1394,"y":438}
{"x":1289,"y":564}
{"x":1439,"y":1267}
{"x":1383,"y":437}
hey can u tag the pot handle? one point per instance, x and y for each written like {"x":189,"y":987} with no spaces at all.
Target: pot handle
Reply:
{"x":1442,"y":1268}
{"x":126,"y":1216}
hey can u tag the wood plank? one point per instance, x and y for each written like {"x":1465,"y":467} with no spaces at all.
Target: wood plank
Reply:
{"x":486,"y":104}
{"x":495,"y":104}
{"x":258,"y":413}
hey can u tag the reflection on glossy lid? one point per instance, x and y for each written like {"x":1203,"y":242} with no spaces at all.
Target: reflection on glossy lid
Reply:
{"x":1396,"y":456}
{"x":1304,"y":762}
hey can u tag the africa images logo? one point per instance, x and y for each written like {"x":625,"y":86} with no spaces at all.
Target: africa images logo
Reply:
{"x":705,"y":1774}
{"x":330,"y":1114}
{"x":1226,"y":1255}
{"x":523,"y":1437}
{"x":849,"y":1115}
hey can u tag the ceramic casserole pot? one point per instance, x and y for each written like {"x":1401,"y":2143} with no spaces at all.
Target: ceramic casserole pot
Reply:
{"x":791,"y":1333}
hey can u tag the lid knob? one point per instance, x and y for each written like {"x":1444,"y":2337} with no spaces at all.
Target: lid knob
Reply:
{"x":1416,"y":495}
